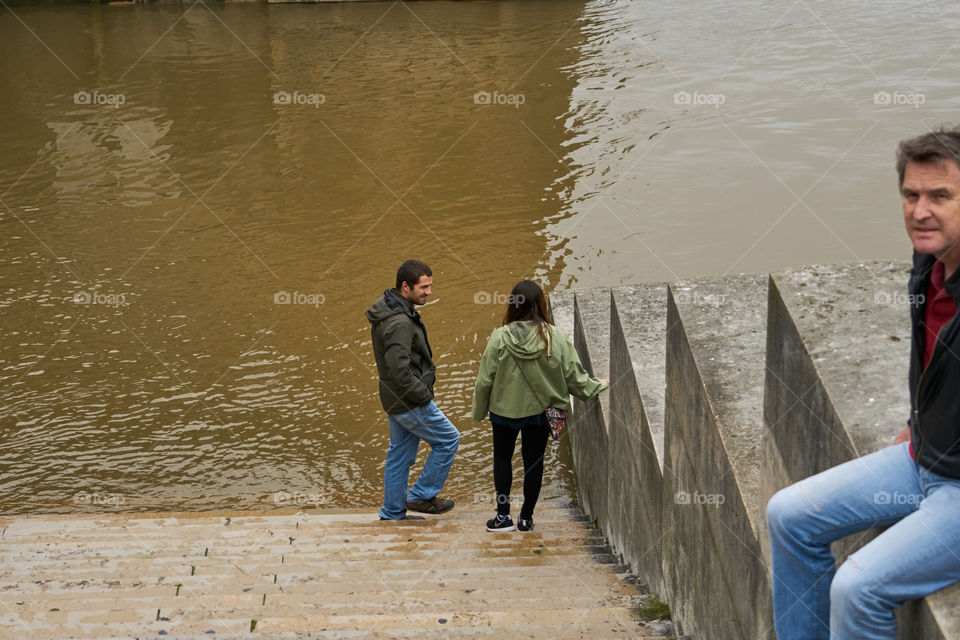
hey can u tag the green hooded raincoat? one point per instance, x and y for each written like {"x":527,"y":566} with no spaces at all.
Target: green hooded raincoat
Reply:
{"x":553,"y":376}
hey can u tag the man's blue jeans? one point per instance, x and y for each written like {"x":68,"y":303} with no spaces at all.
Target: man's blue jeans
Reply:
{"x":425,"y":423}
{"x":917,"y":555}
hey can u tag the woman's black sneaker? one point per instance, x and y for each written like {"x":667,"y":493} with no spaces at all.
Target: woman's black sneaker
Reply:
{"x":524,"y":524}
{"x":500,"y":523}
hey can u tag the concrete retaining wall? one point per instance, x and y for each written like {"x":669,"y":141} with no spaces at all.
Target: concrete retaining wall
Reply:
{"x":722,"y":392}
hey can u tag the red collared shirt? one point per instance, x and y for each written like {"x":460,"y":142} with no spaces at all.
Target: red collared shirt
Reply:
{"x":939,"y":309}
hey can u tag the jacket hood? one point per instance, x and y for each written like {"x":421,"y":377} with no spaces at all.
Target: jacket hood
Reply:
{"x":522,"y":340}
{"x":389,"y":304}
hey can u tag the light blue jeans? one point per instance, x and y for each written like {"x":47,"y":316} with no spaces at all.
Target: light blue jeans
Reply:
{"x":917,"y":555}
{"x":425,"y":423}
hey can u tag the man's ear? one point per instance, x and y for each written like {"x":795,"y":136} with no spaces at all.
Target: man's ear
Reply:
{"x":404,"y":287}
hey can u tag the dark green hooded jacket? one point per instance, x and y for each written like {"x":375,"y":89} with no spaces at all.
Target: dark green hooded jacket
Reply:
{"x":404,"y":359}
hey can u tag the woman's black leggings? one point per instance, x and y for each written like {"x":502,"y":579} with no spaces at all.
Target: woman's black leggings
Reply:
{"x":532,"y":447}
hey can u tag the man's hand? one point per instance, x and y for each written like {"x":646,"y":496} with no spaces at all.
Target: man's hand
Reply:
{"x":903,"y":436}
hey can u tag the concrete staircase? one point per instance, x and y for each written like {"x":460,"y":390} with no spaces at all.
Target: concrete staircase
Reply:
{"x":311,"y":574}
{"x":724,"y":390}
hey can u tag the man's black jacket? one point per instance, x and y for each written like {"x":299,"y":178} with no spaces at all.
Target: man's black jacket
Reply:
{"x":934,"y":391}
{"x":404,"y":358}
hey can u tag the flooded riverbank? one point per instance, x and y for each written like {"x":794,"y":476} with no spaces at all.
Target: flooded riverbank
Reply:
{"x":199,"y":201}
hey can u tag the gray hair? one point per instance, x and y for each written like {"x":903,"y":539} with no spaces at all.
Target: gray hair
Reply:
{"x":935,"y":147}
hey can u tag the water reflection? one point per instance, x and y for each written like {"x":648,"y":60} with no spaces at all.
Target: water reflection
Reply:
{"x":145,"y":362}
{"x":746,"y":137}
{"x":148,"y":360}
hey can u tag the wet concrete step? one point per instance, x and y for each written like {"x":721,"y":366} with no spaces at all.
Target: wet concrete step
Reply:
{"x":334,"y":593}
{"x":438,"y":632}
{"x":280,"y":604}
{"x":192,"y":528}
{"x":414,"y":548}
{"x":92,"y":546}
{"x":535,"y":632}
{"x":238,"y":620}
{"x":49,"y":579}
{"x":330,"y":564}
{"x":455,"y":579}
{"x":343,"y":573}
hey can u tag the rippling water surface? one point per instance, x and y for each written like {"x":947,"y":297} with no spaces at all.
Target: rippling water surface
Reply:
{"x":172,"y":173}
{"x":728,"y":137}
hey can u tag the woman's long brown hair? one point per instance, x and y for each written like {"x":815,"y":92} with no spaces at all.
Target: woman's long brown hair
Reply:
{"x":528,"y":303}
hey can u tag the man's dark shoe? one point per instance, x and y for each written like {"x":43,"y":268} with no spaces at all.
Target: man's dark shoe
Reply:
{"x":524,"y":524}
{"x":405,"y":518}
{"x":434,"y":505}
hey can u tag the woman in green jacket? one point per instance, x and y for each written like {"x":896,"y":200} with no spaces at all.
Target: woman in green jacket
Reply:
{"x":528,"y":366}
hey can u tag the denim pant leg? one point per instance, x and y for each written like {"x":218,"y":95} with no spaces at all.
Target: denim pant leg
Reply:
{"x":804,"y":518}
{"x":916,"y":556}
{"x":432,"y":427}
{"x":396,"y":473}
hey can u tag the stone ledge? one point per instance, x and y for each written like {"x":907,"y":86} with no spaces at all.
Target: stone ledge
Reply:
{"x":750,"y":405}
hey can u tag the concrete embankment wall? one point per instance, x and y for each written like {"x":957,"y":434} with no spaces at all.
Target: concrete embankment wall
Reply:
{"x":722,"y":392}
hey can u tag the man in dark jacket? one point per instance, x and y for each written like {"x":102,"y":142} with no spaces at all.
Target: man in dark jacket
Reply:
{"x":407,"y":373}
{"x":913,"y":486}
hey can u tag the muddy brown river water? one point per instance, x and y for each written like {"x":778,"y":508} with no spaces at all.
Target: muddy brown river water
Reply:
{"x":197,"y":203}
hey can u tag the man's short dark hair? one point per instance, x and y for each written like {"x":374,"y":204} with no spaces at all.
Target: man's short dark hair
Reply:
{"x":935,"y":147}
{"x":410,"y":272}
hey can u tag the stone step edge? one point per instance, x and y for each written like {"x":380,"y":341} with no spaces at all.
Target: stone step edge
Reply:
{"x":568,"y":512}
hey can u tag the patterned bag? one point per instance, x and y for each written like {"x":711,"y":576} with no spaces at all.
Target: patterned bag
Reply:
{"x":556,"y":418}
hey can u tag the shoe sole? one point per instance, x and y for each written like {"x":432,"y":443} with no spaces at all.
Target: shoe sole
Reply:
{"x":495,"y":529}
{"x":432,"y":512}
